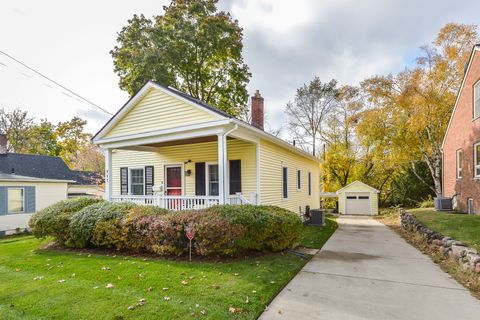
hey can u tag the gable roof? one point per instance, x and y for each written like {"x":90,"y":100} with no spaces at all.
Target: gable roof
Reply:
{"x":135,"y":98}
{"x":199,"y":104}
{"x":360,"y":183}
{"x":475,"y":48}
{"x":41,"y":167}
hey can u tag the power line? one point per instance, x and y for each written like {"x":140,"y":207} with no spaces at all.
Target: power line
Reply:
{"x":56,"y":83}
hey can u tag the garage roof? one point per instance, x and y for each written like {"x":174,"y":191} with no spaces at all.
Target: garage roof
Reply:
{"x":356,"y":182}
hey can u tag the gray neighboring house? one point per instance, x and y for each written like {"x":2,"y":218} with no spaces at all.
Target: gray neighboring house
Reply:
{"x":29,"y":183}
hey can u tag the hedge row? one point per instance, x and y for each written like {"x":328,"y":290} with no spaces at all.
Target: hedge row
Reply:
{"x":220,"y":230}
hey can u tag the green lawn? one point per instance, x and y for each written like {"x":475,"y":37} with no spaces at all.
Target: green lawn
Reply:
{"x":315,"y":237}
{"x":45,"y":284}
{"x":462,"y":227}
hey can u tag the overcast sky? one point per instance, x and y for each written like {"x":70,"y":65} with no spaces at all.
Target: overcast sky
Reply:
{"x":286,"y":43}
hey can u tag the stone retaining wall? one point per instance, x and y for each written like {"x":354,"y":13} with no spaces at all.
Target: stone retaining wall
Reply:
{"x":467,"y":257}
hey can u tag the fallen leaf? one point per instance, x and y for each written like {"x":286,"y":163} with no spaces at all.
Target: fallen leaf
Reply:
{"x":17,"y":269}
{"x":191,"y":277}
{"x":73,"y":275}
{"x":119,"y":278}
{"x":254,"y":291}
{"x":237,"y":274}
{"x":216,"y":286}
{"x":166,"y":298}
{"x":109,"y":286}
{"x":165,"y":289}
{"x":149,"y":289}
{"x":61,"y":281}
{"x":247,"y":300}
{"x":96,"y":287}
{"x":204,"y":312}
{"x":184,"y":282}
{"x":272,"y":282}
{"x":105,"y":268}
{"x":197,"y":305}
{"x":38,"y":278}
{"x":131,"y":308}
{"x":89,"y":255}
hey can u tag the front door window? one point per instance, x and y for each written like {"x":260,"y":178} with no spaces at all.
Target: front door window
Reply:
{"x":136,"y":182}
{"x":212,"y":175}
{"x":174,"y":180}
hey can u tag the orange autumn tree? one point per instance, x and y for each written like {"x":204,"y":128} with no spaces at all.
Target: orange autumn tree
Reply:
{"x":408,"y":112}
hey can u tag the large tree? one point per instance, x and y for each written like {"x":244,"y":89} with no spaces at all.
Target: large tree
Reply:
{"x":16,"y":124}
{"x":308,"y":111}
{"x":192,"y":47}
{"x":413,"y":107}
{"x":72,"y":138}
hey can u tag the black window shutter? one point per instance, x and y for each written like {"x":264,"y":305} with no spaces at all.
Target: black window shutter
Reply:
{"x":149,"y":180}
{"x":200,"y":179}
{"x":285,"y":182}
{"x":235,"y":176}
{"x":124,"y":181}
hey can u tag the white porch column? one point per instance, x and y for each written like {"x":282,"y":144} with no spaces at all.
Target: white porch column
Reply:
{"x":108,"y":174}
{"x":222,"y":167}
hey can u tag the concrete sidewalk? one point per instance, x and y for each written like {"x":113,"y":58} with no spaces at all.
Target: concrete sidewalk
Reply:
{"x":366,"y":271}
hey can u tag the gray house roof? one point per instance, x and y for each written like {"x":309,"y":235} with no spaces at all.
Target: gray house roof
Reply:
{"x":44,"y":167}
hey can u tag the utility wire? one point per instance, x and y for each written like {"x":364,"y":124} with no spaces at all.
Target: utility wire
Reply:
{"x":56,"y":83}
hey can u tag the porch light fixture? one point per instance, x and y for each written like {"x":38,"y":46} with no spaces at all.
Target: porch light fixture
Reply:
{"x":188,"y":173}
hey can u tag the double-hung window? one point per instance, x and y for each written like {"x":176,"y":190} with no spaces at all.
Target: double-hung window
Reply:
{"x":284,"y":182}
{"x":309,"y":183}
{"x":459,"y":163}
{"x":476,"y":100}
{"x":476,"y":160}
{"x":299,"y":180}
{"x":212,"y":179}
{"x":16,"y":197}
{"x":137,"y":185}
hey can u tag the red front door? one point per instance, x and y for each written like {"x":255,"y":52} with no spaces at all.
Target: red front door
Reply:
{"x":173,"y":180}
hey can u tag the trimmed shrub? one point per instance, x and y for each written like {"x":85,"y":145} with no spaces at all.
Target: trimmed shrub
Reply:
{"x":55,"y":219}
{"x":84,"y":222}
{"x":268,"y":228}
{"x":118,"y":233}
{"x":221,"y":230}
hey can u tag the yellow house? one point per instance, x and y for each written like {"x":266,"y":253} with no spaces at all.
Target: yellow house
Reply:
{"x":165,"y":148}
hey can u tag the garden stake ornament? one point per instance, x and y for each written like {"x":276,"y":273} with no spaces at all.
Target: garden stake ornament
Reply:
{"x":190,"y":235}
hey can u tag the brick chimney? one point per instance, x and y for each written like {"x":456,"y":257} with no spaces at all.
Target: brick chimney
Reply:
{"x":257,"y":110}
{"x":3,"y":143}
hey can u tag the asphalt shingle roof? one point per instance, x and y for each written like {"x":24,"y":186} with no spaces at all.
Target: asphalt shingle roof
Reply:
{"x":45,"y":167}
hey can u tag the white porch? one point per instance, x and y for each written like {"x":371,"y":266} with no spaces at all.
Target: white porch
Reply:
{"x":215,"y":136}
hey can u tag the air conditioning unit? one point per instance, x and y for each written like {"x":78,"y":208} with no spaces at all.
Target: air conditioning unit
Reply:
{"x":443,"y":204}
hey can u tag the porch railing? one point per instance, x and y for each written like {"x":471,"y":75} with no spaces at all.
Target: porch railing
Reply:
{"x":176,"y":203}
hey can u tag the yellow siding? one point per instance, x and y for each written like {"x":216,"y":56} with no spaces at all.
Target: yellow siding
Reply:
{"x":272,"y":159}
{"x":200,"y":152}
{"x":157,"y":111}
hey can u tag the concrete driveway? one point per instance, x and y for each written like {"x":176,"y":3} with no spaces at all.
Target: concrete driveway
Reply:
{"x":366,"y":271}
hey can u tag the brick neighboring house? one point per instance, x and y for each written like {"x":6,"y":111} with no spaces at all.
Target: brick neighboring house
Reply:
{"x":461,"y":145}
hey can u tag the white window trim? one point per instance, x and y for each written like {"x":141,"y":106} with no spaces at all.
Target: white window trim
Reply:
{"x":182,"y":176}
{"x":475,"y":155}
{"x":207,"y":178}
{"x":283,"y":184}
{"x":299,"y":172}
{"x":475,"y":116}
{"x":459,"y":164}
{"x":24,"y":202}
{"x":129,"y":187}
{"x":309,"y":183}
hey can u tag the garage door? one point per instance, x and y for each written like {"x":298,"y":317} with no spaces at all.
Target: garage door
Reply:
{"x":357,"y":203}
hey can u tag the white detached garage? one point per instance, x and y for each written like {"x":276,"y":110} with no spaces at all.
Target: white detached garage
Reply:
{"x":358,"y":198}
